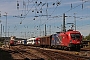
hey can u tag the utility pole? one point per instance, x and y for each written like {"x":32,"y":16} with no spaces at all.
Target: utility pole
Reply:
{"x":64,"y":22}
{"x":64,"y":28}
{"x":45,"y":30}
{"x":75,"y":21}
{"x":1,"y":30}
{"x":1,"y":25}
{"x":6,"y":24}
{"x":50,"y":29}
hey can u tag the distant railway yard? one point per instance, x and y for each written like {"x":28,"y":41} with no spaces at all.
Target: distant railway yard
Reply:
{"x":68,"y":45}
{"x":45,"y":30}
{"x":60,"y":46}
{"x":21,"y":52}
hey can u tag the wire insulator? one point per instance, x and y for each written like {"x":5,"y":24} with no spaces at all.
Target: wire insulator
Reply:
{"x":17,"y":4}
{"x":53,"y":3}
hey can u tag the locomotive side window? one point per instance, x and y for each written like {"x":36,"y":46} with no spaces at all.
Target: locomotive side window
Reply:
{"x":75,"y":36}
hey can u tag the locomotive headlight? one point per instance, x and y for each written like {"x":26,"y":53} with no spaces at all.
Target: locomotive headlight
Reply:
{"x":78,"y":42}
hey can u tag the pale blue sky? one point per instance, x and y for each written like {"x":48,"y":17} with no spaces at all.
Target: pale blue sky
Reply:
{"x":24,"y":27}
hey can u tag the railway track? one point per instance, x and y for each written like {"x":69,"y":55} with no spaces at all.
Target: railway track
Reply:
{"x":23,"y":54}
{"x":59,"y":55}
{"x":27,"y":52}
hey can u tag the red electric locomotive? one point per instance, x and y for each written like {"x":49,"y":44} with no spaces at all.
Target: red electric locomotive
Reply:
{"x":70,"y":39}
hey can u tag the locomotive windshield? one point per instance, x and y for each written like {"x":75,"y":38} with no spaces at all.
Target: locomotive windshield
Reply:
{"x":75,"y":36}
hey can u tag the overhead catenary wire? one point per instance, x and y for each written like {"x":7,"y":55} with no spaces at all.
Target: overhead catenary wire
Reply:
{"x":28,"y":12}
{"x":55,"y":8}
{"x":50,"y":15}
{"x":23,"y":17}
{"x":76,"y":6}
{"x":31,"y":9}
{"x":83,"y":2}
{"x":54,"y":11}
{"x":69,"y":9}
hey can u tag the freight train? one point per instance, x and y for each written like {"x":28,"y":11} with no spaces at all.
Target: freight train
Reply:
{"x":68,"y":40}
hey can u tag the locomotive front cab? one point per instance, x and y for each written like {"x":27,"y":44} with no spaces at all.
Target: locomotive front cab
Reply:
{"x":75,"y":40}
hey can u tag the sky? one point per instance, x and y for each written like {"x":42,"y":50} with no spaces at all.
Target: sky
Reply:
{"x":27,"y":18}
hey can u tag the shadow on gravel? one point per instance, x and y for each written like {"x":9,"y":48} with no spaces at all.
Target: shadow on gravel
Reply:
{"x":33,"y":59}
{"x":4,"y":55}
